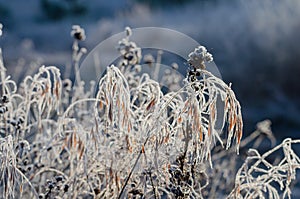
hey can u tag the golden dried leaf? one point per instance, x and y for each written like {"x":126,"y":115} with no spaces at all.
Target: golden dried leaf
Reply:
{"x":129,"y":147}
{"x":151,"y":104}
{"x":129,"y":127}
{"x":200,"y":134}
{"x":179,"y":120}
{"x":46,"y":90}
{"x":100,"y":105}
{"x":56,"y":89}
{"x":143,"y":149}
{"x":166,"y":140}
{"x":81,"y":151}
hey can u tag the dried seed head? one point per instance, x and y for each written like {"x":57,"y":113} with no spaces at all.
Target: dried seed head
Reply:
{"x":175,"y":66}
{"x":128,"y":31}
{"x":130,"y":52}
{"x":264,"y":126}
{"x":78,"y":33}
{"x":198,"y":58}
{"x":149,"y":59}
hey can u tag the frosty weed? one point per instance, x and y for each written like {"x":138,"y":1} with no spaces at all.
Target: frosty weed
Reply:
{"x":132,"y":140}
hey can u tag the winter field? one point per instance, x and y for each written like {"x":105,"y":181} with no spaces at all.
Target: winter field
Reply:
{"x":149,"y":99}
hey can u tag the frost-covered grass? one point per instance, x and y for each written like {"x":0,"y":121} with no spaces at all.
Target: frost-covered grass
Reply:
{"x":130,"y":139}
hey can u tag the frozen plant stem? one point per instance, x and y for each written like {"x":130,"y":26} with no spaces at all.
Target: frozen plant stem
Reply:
{"x":3,"y":74}
{"x":76,"y":61}
{"x":2,"y":68}
{"x":78,"y":34}
{"x":132,"y":169}
{"x":157,"y":65}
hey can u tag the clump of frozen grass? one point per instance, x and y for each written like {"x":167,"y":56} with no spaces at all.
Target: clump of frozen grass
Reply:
{"x":205,"y":91}
{"x":130,"y":141}
{"x":172,"y":134}
{"x":260,"y":177}
{"x":44,"y":91}
{"x":227,"y":162}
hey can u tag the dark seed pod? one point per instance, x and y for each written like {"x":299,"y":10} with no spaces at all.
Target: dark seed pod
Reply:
{"x":49,"y":148}
{"x":51,"y":186}
{"x":20,"y":120}
{"x":193,"y":78}
{"x":22,"y":170}
{"x":65,"y":84}
{"x":196,"y":88}
{"x":191,"y":73}
{"x":29,"y":168}
{"x":26,"y":161}
{"x":18,"y":127}
{"x":66,"y":188}
{"x":78,"y":36}
{"x":97,"y":191}
{"x":136,"y":192}
{"x":129,"y":57}
{"x":58,"y":178}
{"x":13,"y":122}
{"x":4,"y":99}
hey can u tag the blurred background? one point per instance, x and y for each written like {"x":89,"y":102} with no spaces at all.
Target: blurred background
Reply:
{"x":256,"y":44}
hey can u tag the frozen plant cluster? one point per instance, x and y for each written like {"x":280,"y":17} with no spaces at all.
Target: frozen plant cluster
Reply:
{"x":199,"y":56}
{"x":132,"y":140}
{"x":129,"y":50}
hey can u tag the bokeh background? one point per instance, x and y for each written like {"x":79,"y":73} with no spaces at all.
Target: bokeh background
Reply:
{"x":255,"y":43}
